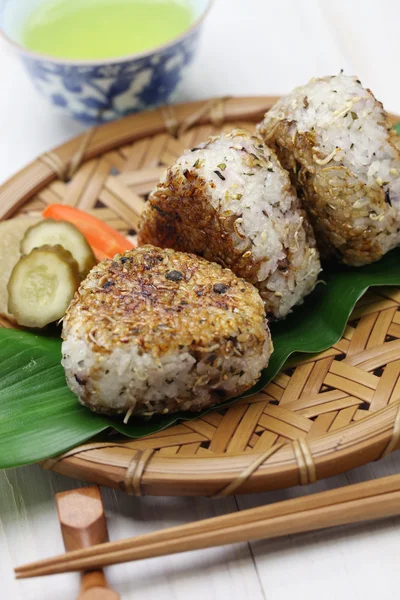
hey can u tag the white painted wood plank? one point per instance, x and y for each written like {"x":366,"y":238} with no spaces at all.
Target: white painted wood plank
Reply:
{"x":366,"y":32}
{"x":352,"y":562}
{"x":29,"y":530}
{"x":29,"y":522}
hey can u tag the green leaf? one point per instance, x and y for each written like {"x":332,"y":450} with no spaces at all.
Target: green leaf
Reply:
{"x":397,"y":128}
{"x":320,"y":322}
{"x":40,"y":417}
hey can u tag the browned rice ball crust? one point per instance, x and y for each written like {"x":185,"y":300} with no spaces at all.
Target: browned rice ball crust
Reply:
{"x":336,"y":141}
{"x":159,"y":331}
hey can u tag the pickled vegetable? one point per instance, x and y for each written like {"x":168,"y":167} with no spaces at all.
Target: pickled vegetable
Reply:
{"x":105,"y":240}
{"x":11,"y":234}
{"x":67,"y":235}
{"x":41,"y":286}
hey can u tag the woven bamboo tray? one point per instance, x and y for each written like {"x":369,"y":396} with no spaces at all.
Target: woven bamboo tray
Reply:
{"x":321,"y":415}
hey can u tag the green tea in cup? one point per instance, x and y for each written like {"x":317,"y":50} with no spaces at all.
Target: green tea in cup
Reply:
{"x":98,"y":29}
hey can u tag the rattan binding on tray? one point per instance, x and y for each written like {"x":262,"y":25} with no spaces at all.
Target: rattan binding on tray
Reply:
{"x":320,"y":416}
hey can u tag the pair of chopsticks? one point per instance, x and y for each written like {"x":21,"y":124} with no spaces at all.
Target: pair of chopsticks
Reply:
{"x":366,"y":501}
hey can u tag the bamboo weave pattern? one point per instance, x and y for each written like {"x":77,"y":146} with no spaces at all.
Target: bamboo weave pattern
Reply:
{"x":308,"y":400}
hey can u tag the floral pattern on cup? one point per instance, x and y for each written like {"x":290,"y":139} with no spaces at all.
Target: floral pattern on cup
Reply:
{"x":101,"y":93}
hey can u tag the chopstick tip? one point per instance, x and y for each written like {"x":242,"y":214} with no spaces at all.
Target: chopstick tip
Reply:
{"x":19,"y":575}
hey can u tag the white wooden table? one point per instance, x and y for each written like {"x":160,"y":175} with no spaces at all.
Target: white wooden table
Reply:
{"x":248,"y":47}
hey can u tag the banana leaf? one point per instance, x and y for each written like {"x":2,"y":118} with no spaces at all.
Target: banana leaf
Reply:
{"x":40,"y":417}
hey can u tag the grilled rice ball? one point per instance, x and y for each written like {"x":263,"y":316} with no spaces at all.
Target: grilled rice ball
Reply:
{"x":158,"y":331}
{"x":231,"y":202}
{"x":336,"y":140}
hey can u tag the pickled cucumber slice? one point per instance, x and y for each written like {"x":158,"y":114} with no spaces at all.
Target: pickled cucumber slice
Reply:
{"x":60,"y":232}
{"x":42,"y":285}
{"x":11,"y":233}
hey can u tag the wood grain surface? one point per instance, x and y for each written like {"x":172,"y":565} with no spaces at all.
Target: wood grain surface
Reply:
{"x":83,"y":524}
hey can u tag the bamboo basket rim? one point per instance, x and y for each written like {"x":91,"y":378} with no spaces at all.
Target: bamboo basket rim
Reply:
{"x":134,"y":465}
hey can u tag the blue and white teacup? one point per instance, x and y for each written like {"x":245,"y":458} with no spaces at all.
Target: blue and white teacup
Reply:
{"x":95,"y":91}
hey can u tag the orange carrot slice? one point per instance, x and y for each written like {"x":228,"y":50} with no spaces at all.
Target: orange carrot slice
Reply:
{"x":105,"y":240}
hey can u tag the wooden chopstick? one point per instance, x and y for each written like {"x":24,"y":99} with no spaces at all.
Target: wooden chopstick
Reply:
{"x":370,"y":500}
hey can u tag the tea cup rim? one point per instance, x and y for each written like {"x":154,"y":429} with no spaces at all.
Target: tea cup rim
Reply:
{"x":108,"y":61}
